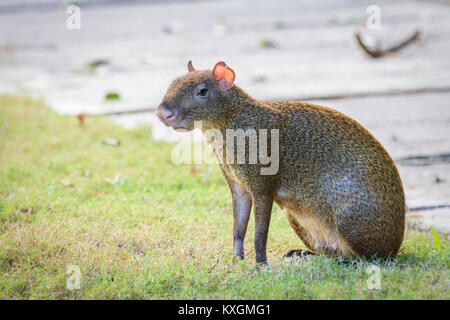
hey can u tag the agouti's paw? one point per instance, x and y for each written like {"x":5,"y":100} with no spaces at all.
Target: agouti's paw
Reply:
{"x":297,"y":253}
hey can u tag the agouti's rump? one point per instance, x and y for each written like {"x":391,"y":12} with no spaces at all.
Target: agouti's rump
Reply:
{"x":341,"y":189}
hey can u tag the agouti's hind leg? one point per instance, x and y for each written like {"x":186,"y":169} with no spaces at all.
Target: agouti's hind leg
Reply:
{"x":303,"y":235}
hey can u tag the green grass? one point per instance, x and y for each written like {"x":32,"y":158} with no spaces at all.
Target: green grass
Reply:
{"x":140,"y":227}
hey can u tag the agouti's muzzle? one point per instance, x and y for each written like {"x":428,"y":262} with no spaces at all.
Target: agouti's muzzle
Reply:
{"x":165,"y":114}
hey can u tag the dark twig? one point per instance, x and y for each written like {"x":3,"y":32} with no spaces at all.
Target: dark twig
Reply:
{"x":378,"y":52}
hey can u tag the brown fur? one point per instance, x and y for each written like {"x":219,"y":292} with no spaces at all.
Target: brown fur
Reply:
{"x":341,"y":190}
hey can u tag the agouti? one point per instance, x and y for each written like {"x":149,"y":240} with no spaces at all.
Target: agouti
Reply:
{"x":341,"y":191}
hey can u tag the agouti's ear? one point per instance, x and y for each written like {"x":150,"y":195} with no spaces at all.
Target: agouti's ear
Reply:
{"x":224,"y":75}
{"x":190,"y":67}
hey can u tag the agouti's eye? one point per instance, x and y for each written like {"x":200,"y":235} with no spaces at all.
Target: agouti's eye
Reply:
{"x":202,"y":92}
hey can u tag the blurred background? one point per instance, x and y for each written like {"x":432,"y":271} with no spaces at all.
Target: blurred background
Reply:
{"x":112,"y":56}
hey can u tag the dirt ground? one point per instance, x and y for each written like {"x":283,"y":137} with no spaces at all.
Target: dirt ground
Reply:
{"x":284,"y":49}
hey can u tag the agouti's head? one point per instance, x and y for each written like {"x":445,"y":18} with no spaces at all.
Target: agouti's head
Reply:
{"x":195,"y":96}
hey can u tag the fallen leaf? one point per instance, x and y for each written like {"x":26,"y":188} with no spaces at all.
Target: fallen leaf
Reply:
{"x":96,"y":63}
{"x":67,"y":183}
{"x":194,"y":170}
{"x":112,"y":96}
{"x":267,"y":44}
{"x":111,"y":142}
{"x":80,"y":118}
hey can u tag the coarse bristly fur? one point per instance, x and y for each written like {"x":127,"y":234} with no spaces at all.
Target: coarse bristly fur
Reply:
{"x":341,"y":191}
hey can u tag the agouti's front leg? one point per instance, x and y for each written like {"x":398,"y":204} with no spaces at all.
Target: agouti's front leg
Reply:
{"x":242,"y":205}
{"x":263,"y":210}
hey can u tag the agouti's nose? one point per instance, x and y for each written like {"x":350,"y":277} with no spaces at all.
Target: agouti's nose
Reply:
{"x":165,"y":114}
